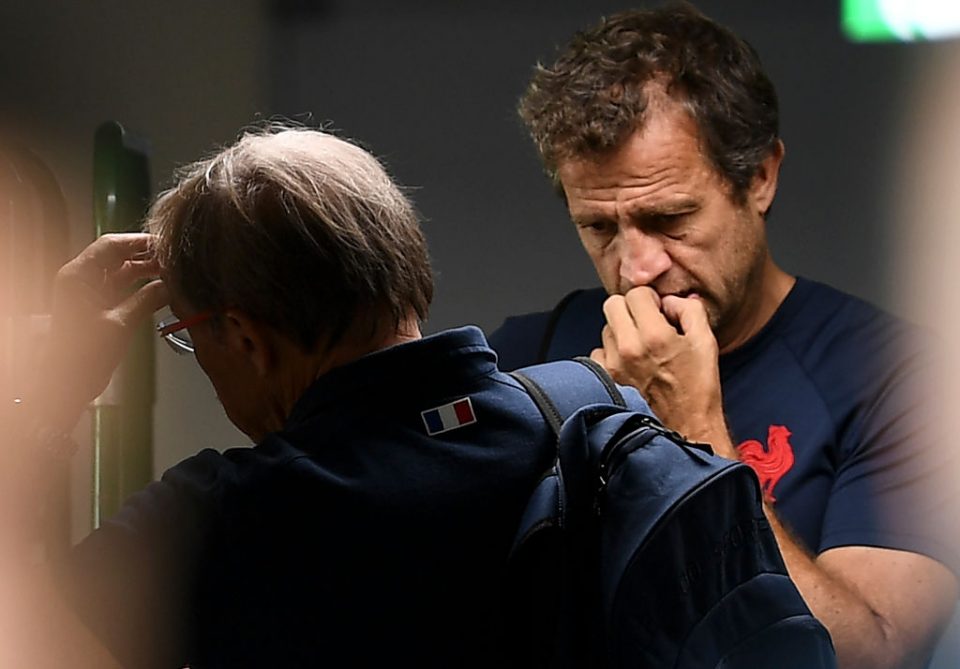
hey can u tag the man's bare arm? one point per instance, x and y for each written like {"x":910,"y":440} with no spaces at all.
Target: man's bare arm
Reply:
{"x":883,"y":607}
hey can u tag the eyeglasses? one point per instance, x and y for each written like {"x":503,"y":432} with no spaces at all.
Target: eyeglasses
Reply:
{"x":174,"y":331}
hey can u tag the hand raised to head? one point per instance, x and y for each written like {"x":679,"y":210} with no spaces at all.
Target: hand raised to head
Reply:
{"x":95,"y":314}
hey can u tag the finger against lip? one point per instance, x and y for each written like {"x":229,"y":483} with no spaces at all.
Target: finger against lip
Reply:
{"x":682,"y":294}
{"x":689,"y":314}
{"x":641,"y":295}
{"x":643,"y":304}
{"x":641,"y":315}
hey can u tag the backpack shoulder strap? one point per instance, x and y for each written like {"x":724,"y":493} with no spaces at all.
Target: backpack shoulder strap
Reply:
{"x":549,"y":619}
{"x":560,"y":388}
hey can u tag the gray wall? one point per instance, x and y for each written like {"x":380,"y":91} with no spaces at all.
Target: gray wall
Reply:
{"x":432,"y":89}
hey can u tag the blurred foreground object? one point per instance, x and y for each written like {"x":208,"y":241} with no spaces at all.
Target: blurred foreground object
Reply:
{"x":33,"y":245}
{"x":927,"y":203}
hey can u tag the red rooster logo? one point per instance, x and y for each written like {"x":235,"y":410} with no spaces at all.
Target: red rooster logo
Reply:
{"x":770,"y":462}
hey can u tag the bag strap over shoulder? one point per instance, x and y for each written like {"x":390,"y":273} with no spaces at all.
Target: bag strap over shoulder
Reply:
{"x":547,"y":557}
{"x":560,"y":388}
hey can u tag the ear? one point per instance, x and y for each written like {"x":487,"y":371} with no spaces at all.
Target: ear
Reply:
{"x":763,"y":187}
{"x":250,"y":339}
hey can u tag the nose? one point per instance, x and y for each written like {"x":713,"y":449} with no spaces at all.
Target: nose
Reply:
{"x":643,"y":258}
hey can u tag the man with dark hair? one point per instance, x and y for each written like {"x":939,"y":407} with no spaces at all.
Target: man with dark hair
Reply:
{"x":371,"y":523}
{"x":660,"y":130}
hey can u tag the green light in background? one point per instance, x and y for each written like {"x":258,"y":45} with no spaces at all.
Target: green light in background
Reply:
{"x":900,"y":20}
{"x":863,"y":21}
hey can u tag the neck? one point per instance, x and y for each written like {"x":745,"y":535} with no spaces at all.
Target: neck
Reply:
{"x":298,"y":370}
{"x":319,"y":363}
{"x":759,"y":307}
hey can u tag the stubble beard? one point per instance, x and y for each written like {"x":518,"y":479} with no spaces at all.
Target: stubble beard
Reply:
{"x":743,"y":298}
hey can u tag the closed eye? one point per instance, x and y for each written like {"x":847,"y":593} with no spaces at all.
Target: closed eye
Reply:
{"x":670,"y":225}
{"x":597,"y":227}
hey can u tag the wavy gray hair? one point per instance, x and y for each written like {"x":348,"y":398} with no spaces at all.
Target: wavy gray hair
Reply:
{"x":302,"y":230}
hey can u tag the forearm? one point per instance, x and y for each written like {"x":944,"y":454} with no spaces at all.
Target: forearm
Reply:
{"x":862,"y":637}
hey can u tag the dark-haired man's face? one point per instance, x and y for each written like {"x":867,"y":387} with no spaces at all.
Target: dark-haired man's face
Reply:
{"x":655,"y":212}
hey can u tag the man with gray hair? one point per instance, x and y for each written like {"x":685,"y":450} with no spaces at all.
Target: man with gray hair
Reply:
{"x":660,"y":129}
{"x":371,"y":522}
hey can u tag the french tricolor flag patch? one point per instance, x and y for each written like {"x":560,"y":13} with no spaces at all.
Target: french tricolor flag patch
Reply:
{"x":449,"y":416}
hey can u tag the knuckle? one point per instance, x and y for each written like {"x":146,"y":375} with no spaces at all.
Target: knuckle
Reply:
{"x":615,"y":368}
{"x":631,"y":350}
{"x":656,"y":342}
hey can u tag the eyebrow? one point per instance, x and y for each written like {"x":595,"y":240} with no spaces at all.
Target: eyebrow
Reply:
{"x":679,"y":206}
{"x":673,"y":208}
{"x":589,"y":218}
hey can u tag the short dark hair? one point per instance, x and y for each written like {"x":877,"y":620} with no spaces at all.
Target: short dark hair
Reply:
{"x":595,"y":94}
{"x":302,"y":230}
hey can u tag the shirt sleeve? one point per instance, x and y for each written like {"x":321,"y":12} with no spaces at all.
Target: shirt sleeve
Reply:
{"x":895,"y":485}
{"x":131,"y":580}
{"x":517,"y":341}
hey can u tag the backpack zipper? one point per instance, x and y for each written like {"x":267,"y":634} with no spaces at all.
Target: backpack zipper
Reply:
{"x":617,"y":452}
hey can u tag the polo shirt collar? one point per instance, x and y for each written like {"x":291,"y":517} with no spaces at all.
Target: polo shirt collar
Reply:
{"x":451,"y":357}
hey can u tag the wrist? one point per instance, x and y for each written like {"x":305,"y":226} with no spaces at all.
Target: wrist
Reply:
{"x":724,"y":448}
{"x":715,"y":433}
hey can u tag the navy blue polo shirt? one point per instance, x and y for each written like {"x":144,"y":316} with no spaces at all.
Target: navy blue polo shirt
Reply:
{"x":826,"y":403}
{"x":353,"y":537}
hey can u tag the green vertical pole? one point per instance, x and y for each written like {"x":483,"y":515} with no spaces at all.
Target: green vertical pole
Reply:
{"x":122,"y":418}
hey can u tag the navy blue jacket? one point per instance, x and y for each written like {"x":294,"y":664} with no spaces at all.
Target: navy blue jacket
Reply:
{"x":350,"y":538}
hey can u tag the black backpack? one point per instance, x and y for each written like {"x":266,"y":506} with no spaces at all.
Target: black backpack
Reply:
{"x":639,"y":549}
